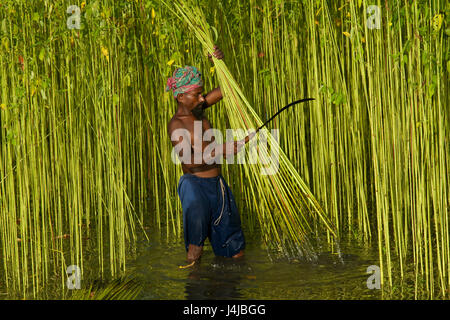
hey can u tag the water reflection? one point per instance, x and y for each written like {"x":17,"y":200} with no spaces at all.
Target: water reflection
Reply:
{"x":220,"y":279}
{"x":254,"y":276}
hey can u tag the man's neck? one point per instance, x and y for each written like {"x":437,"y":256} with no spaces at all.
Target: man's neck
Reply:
{"x":183,"y":111}
{"x":197,"y":112}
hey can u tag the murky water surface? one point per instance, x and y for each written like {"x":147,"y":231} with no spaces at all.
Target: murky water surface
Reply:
{"x":256,"y":276}
{"x":155,"y":266}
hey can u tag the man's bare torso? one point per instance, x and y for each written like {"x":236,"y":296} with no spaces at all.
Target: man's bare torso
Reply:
{"x":201,"y":170}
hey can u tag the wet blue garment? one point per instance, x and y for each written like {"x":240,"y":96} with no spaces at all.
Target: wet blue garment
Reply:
{"x":210,"y":211}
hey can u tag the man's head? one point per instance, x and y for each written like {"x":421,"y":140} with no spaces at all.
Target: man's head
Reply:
{"x":193,"y":99}
{"x":185,"y":80}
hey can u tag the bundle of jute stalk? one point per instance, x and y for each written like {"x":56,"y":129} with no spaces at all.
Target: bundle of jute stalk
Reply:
{"x":286,"y":209}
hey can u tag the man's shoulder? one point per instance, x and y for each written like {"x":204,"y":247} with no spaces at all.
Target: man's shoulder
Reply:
{"x":175,"y":120}
{"x":175,"y":123}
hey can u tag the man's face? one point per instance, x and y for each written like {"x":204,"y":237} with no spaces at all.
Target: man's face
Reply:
{"x":193,"y":99}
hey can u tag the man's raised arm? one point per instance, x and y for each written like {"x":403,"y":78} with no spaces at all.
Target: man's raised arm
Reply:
{"x":212,"y":97}
{"x":215,"y":95}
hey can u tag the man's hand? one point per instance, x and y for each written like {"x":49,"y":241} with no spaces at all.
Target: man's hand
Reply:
{"x":218,"y":54}
{"x":233,"y":147}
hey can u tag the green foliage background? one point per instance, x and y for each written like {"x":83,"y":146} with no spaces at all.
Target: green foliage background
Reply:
{"x":85,"y":152}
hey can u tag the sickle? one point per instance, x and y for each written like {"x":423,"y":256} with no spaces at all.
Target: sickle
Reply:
{"x":282,"y":109}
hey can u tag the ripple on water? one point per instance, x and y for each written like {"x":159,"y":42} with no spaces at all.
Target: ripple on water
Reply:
{"x":255,"y":276}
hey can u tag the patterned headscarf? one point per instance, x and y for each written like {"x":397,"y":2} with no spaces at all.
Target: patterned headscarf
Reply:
{"x":184,"y":80}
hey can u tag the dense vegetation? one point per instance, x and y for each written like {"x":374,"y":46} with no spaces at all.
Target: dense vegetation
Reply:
{"x":85,"y":151}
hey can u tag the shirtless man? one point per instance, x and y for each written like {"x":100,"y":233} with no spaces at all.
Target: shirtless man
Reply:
{"x":209,"y":208}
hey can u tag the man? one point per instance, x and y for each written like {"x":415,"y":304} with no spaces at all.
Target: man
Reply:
{"x":209,"y":208}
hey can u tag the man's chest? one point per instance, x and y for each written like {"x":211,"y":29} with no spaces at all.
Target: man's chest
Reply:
{"x":198,"y":126}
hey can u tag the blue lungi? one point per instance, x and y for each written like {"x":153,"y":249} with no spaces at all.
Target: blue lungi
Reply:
{"x":210,"y":211}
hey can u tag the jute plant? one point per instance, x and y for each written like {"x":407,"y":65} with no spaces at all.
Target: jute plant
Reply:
{"x":285,"y":206}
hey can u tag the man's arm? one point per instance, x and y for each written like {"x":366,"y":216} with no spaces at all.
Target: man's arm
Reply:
{"x":215,"y":95}
{"x":212,"y":98}
{"x":182,"y":140}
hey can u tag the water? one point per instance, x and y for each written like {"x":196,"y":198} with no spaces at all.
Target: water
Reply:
{"x":154,"y":266}
{"x":256,"y":276}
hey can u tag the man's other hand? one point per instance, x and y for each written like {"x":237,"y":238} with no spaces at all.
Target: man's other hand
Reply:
{"x":218,"y":54}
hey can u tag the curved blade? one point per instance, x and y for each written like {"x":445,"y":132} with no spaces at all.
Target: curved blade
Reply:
{"x":282,"y":109}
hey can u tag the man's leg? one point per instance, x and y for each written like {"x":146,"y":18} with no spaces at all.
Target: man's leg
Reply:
{"x":194,"y":252}
{"x":227,"y":238}
{"x":195,"y":216}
